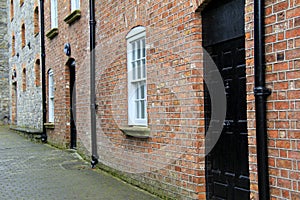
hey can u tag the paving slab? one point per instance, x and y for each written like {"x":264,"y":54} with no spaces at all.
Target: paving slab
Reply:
{"x":30,"y":170}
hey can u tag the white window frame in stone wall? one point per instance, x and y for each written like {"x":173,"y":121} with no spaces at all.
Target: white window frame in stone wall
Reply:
{"x":51,"y":95}
{"x":75,"y":5}
{"x":137,"y":76}
{"x":54,"y":15}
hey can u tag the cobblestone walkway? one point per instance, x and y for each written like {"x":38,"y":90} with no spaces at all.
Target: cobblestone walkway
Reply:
{"x":30,"y":170}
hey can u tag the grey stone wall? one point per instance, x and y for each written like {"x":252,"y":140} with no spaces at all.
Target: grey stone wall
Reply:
{"x":4,"y":69}
{"x":28,"y":106}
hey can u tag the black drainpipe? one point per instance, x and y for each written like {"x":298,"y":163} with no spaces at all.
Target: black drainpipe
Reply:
{"x":261,"y":93}
{"x":43,"y":55}
{"x":92,"y":79}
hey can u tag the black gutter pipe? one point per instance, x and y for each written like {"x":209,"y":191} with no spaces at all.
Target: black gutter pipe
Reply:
{"x":261,"y":93}
{"x":43,"y":56}
{"x":92,"y":83}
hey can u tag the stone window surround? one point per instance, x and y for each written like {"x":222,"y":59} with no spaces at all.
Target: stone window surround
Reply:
{"x":36,"y":21}
{"x":11,"y":10}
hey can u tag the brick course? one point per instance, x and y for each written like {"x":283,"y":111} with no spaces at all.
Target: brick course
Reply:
{"x":171,"y":161}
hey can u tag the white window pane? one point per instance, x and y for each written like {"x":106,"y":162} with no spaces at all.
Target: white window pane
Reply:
{"x":139,"y":69}
{"x":137,"y":109}
{"x":137,"y":92}
{"x":75,"y":5}
{"x":144,"y":68}
{"x":54,"y":23}
{"x":138,"y":49}
{"x":142,"y":109}
{"x":133,"y":51}
{"x":143,"y":91}
{"x":144,"y":48}
{"x":133,"y":71}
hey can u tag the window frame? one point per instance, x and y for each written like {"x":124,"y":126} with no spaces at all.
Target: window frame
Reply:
{"x":54,"y":14}
{"x":51,"y":96}
{"x":75,"y":5}
{"x":137,"y":84}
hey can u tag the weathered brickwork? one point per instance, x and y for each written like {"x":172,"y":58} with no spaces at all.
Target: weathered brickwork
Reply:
{"x":283,"y":76}
{"x":170,"y":162}
{"x":4,"y":87}
{"x":24,"y":62}
{"x":77,"y":34}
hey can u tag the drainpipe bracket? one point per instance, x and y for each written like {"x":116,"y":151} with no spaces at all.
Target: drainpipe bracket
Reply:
{"x":262,"y":91}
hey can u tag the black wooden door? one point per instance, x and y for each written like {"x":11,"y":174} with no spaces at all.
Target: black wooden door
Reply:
{"x":73,"y":107}
{"x":227,"y":168}
{"x":227,"y":164}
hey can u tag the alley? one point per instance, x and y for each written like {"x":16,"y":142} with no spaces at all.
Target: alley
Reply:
{"x":31,"y":170}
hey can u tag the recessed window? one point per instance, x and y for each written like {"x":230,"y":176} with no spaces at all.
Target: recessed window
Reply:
{"x":51,"y":95}
{"x":37,"y":70}
{"x":75,"y":5}
{"x":24,"y":81}
{"x":23,"y":35}
{"x":11,"y":9}
{"x":136,"y":71}
{"x":36,"y":20}
{"x":13,"y":45}
{"x":54,"y":16}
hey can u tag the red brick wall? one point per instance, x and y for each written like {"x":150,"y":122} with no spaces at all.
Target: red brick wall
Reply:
{"x":283,"y":75}
{"x":77,"y":35}
{"x":170,"y":161}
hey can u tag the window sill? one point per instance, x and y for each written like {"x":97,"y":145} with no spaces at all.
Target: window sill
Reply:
{"x":74,"y":16}
{"x":52,"y":33}
{"x":136,"y":131}
{"x":49,"y":125}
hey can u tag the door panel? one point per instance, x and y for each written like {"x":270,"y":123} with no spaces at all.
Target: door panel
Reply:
{"x":73,"y":107}
{"x":227,"y":167}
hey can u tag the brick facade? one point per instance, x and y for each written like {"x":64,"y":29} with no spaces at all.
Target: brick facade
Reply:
{"x":77,"y":34}
{"x":24,"y":65}
{"x":170,"y":162}
{"x":282,"y":57}
{"x":4,"y":71}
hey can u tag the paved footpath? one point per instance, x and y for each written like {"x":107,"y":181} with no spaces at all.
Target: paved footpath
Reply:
{"x":30,"y":170}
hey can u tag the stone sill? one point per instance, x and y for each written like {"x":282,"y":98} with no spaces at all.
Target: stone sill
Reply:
{"x":27,"y":130}
{"x":136,"y":131}
{"x":52,"y":33}
{"x":49,"y":125}
{"x":71,"y":18}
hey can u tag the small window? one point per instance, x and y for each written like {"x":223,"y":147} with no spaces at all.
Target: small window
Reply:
{"x":24,"y":80}
{"x":37,"y":70}
{"x":11,"y":10}
{"x":136,"y":71}
{"x":54,"y":16}
{"x":75,"y":5}
{"x":36,"y":20}
{"x":23,"y":35}
{"x":51,"y":95}
{"x":13,"y":45}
